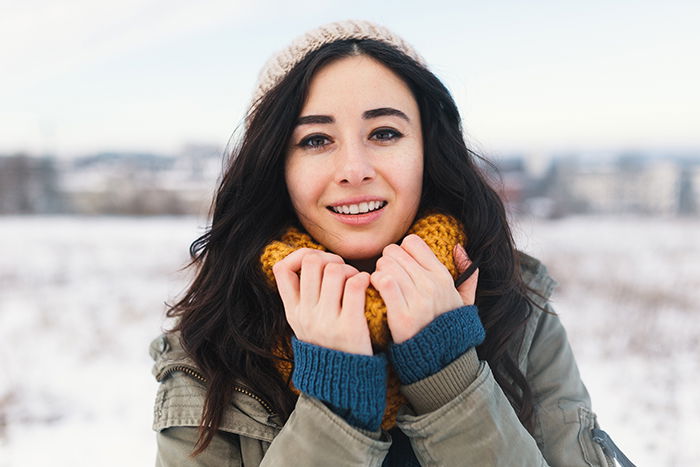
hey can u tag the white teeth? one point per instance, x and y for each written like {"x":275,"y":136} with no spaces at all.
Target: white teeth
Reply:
{"x":361,"y":208}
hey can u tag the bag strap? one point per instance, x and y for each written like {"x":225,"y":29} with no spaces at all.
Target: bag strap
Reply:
{"x":610,"y":448}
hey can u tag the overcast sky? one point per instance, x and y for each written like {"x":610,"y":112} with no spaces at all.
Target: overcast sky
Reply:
{"x":80,"y":76}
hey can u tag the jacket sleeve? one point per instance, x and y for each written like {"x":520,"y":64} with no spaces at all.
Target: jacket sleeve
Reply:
{"x":478,"y":426}
{"x":175,"y":445}
{"x":315,"y":436}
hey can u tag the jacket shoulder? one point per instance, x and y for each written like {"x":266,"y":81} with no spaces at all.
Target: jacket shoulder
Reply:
{"x":181,"y":395}
{"x":536,"y":278}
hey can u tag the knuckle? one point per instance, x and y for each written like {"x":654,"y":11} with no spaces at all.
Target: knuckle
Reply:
{"x":356,"y":280}
{"x":390,"y":248}
{"x":335,"y":258}
{"x":311,"y":260}
{"x":386,"y":280}
{"x":334,"y":269}
{"x":411,"y":240}
{"x":300,"y":253}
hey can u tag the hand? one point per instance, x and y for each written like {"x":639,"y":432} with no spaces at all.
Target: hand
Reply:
{"x":324,"y":300}
{"x":415,"y":285}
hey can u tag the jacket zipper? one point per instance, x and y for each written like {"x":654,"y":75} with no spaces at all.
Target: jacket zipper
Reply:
{"x":196,"y":375}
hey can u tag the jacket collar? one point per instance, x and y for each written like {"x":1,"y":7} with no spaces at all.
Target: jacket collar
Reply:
{"x":251,"y":415}
{"x":535,"y":276}
{"x":541,"y":285}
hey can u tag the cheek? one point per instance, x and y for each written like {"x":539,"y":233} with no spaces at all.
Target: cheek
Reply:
{"x":293,"y":170}
{"x":412,"y":179}
{"x":291,"y":179}
{"x":302,"y":186}
{"x":418,"y":175}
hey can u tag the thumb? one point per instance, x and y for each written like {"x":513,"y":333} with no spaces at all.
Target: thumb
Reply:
{"x":461,"y":259}
{"x":467,"y":289}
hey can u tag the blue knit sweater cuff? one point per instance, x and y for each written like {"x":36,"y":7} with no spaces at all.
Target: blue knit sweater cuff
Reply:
{"x":354,"y":386}
{"x":438,"y":344}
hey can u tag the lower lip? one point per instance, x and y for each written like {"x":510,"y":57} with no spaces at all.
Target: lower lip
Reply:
{"x":358,"y":219}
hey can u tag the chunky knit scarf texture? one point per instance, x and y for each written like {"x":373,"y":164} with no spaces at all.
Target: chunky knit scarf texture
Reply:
{"x":440,"y":232}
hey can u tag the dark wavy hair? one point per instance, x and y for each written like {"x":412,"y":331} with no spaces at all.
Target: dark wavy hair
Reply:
{"x":230,"y":320}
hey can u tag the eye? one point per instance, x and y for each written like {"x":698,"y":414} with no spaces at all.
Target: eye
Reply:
{"x":313,"y":142}
{"x":386,"y":134}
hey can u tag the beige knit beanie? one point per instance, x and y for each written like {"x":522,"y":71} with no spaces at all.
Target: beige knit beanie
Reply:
{"x":282,"y":62}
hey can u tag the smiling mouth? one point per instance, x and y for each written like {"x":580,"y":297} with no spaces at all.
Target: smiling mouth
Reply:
{"x":359,"y":208}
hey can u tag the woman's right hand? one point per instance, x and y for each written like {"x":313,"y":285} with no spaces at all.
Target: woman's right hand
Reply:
{"x":324,"y":300}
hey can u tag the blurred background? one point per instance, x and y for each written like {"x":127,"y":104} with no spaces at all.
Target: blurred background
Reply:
{"x":115,"y":116}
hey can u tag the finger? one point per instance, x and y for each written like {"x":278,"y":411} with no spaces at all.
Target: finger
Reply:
{"x":293,"y":261}
{"x":288,"y":286}
{"x":421,"y":253}
{"x":401,"y":258}
{"x":310,"y":280}
{"x":353,"y":313}
{"x":399,"y":273}
{"x":354,"y":293}
{"x":465,"y":266}
{"x":390,"y":291}
{"x":467,"y":289}
{"x":334,"y":278}
{"x":462,"y":261}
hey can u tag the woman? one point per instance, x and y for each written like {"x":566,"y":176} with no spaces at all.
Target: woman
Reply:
{"x":338,"y":316}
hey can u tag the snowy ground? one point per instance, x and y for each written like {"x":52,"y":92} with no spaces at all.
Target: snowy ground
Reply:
{"x":80,"y":298}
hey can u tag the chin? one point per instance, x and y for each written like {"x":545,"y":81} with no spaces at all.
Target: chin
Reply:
{"x":364,"y":252}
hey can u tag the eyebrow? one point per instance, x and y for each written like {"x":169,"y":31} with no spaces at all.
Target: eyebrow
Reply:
{"x":366,"y":115}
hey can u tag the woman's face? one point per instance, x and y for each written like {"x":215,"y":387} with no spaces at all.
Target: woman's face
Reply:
{"x":354,"y":165}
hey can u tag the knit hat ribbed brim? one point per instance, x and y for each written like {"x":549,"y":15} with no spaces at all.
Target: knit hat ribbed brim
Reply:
{"x":282,"y":62}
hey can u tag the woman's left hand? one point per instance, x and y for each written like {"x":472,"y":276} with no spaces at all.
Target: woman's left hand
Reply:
{"x":417,"y":287}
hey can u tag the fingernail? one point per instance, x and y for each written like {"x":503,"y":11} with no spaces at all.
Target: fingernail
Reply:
{"x":462,"y":250}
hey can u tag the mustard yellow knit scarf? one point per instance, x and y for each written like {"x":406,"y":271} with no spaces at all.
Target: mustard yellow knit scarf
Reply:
{"x":440,"y":232}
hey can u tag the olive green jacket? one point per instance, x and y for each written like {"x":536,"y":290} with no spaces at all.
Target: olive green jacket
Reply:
{"x":457,"y":417}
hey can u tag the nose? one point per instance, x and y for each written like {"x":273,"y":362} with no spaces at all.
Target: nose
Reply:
{"x":354,"y":165}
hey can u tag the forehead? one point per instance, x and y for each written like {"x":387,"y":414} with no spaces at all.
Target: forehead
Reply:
{"x":357,"y":82}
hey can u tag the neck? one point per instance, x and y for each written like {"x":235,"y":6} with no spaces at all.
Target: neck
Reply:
{"x":366,"y":265}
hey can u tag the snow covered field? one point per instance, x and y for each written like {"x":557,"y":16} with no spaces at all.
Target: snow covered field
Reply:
{"x":80,"y":299}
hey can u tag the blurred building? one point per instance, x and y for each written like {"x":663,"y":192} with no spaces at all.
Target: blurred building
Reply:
{"x":690,"y":189}
{"x":29,"y":185}
{"x":625,"y":184}
{"x":111,"y":183}
{"x":510,"y":177}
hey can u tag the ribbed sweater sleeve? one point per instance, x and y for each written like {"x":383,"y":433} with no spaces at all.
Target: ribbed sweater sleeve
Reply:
{"x":352,"y":385}
{"x":438,"y":344}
